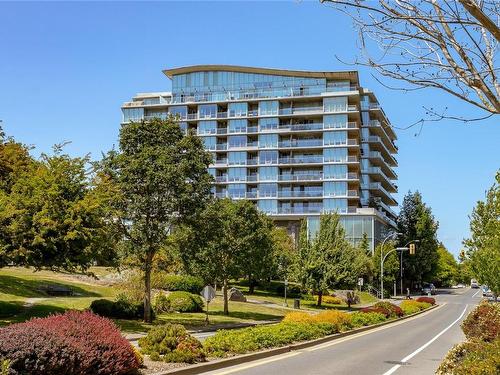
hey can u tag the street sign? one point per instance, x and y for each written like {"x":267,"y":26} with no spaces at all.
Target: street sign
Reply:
{"x":412,"y":249}
{"x":208,"y":293}
{"x":360,"y":281}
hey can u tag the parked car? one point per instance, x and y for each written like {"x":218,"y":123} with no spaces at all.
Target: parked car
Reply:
{"x":474,"y":284}
{"x":428,"y":288}
{"x":486,"y":291}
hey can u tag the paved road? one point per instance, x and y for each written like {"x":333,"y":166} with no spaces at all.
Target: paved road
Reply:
{"x":415,"y":346}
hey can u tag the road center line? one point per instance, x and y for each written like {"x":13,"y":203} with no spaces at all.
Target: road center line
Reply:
{"x":410,"y":356}
{"x":475,"y":293}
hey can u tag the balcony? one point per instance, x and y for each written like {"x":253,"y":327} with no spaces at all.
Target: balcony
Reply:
{"x":221,"y":162}
{"x":222,"y":131}
{"x":301,"y":160}
{"x":300,"y":177}
{"x":221,"y":178}
{"x":300,"y":210}
{"x":301,"y":143}
{"x":253,"y":161}
{"x":301,"y":127}
{"x":300,"y":194}
{"x":221,"y":146}
{"x":252,"y":177}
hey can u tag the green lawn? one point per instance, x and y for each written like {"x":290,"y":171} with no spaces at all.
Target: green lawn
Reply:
{"x":22,"y":294}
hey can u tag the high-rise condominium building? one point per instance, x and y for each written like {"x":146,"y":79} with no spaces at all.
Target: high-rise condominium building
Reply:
{"x":297,"y":143}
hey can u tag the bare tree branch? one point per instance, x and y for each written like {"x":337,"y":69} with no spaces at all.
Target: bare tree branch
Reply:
{"x":450,"y":45}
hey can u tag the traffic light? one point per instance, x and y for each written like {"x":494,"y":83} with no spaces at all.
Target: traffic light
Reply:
{"x":413,"y":248}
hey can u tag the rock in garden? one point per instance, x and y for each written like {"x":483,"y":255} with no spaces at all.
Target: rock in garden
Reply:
{"x":236,"y":295}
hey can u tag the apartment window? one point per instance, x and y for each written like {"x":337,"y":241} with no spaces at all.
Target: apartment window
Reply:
{"x":236,"y":141}
{"x":268,"y":108}
{"x":269,"y":206}
{"x":237,"y":174}
{"x":183,"y":126}
{"x":335,"y":138}
{"x":237,"y":126}
{"x":237,"y":158}
{"x":268,"y":123}
{"x":212,"y":172}
{"x":236,"y":190}
{"x":335,"y":104}
{"x":268,"y":157}
{"x":268,"y":190}
{"x":268,"y":140}
{"x":238,"y":109}
{"x":335,"y":189}
{"x":180,"y":111}
{"x":335,"y":205}
{"x":335,"y":121}
{"x":132,"y":114}
{"x":335,"y":155}
{"x":207,"y":111}
{"x":210,"y":142}
{"x":207,"y":127}
{"x":335,"y":171}
{"x":268,"y":173}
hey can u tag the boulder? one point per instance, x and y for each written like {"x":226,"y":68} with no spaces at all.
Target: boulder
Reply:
{"x":236,"y":295}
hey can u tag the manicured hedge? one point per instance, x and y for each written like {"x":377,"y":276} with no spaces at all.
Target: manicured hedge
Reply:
{"x":261,"y":337}
{"x":332,"y":300}
{"x":184,"y":283}
{"x":172,"y":343}
{"x":412,"y":306}
{"x":184,"y":302}
{"x":395,"y":311}
{"x":483,"y":323}
{"x":120,"y":309}
{"x":339,"y":320}
{"x":430,"y":300}
{"x":359,"y":319}
{"x":480,"y":354}
{"x":73,"y":343}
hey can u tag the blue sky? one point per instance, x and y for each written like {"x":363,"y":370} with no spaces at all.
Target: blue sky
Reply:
{"x":65,"y":69}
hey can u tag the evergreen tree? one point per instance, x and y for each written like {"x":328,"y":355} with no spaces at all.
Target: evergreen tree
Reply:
{"x":416,"y":222}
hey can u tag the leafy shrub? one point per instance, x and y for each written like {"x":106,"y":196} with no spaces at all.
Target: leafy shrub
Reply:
{"x":119,"y":309}
{"x":173,"y":283}
{"x":412,"y":306}
{"x":172,"y":343}
{"x":262,"y":337}
{"x":483,"y":323}
{"x":185,"y":302}
{"x":379,"y":310}
{"x":332,"y":300}
{"x":291,"y":290}
{"x":339,"y":320}
{"x":161,"y":304}
{"x":394,"y":309}
{"x":430,"y":300}
{"x":472,"y":358}
{"x":73,"y":343}
{"x":359,"y":319}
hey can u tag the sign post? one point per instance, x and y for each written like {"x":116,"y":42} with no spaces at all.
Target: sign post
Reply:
{"x":208,"y":293}
{"x":360,"y":283}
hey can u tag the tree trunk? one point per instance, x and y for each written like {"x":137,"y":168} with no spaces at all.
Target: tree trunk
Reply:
{"x":224,"y":291}
{"x":147,"y":288}
{"x":251,"y":285}
{"x":320,"y":298}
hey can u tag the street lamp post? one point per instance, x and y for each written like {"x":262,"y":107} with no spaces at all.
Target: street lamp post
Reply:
{"x":382,"y":263}
{"x":382,"y":258}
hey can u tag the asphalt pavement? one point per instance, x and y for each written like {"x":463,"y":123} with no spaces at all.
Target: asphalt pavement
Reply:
{"x":413,"y":346}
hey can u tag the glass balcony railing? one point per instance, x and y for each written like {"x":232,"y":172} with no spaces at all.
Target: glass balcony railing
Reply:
{"x":300,"y":194}
{"x":221,"y":178}
{"x":300,"y":210}
{"x":301,"y":160}
{"x":221,"y":146}
{"x":300,"y":177}
{"x":301,"y":143}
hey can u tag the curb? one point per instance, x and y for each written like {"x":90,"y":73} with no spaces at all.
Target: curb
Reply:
{"x":239,"y":359}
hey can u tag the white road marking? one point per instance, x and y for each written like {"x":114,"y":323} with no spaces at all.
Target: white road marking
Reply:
{"x":475,"y":294}
{"x":410,"y":356}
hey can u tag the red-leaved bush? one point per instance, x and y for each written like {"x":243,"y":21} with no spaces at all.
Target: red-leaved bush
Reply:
{"x":73,"y":343}
{"x":380,"y":310}
{"x":430,"y":300}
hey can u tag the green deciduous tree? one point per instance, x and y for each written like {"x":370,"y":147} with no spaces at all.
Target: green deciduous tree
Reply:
{"x":229,"y":239}
{"x":446,"y":271}
{"x":328,"y":260}
{"x":483,"y":247}
{"x":51,"y":216}
{"x":284,"y":254}
{"x":162,"y":179}
{"x":416,"y":222}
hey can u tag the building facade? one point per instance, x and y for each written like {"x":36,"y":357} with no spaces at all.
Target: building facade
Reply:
{"x":297,"y":143}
